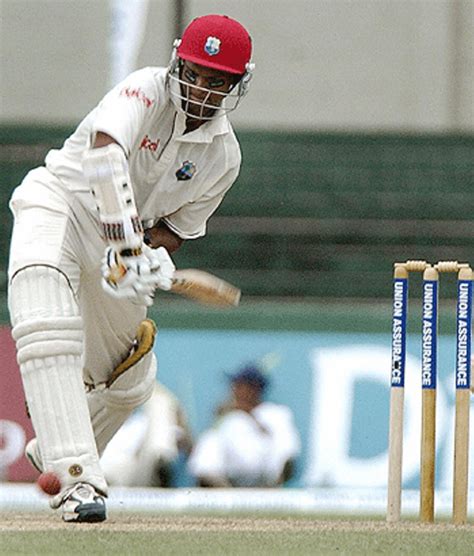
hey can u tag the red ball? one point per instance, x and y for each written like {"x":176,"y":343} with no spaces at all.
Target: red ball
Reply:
{"x":49,"y":483}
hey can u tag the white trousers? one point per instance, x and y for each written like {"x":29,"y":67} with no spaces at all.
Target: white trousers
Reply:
{"x":52,"y":227}
{"x":68,"y":329}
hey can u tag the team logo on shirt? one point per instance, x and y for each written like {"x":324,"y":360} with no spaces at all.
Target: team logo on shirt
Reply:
{"x":212,"y":46}
{"x":187,"y":170}
{"x":137,"y":93}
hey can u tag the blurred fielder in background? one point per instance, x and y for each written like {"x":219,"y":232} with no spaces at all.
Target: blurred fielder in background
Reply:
{"x":143,"y":172}
{"x":253,"y":443}
{"x":146,"y":449}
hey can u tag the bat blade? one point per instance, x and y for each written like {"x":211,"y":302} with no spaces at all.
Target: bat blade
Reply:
{"x":205,"y":288}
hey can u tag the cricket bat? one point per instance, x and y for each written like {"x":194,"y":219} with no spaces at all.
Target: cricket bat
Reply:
{"x":193,"y":283}
{"x":205,"y":288}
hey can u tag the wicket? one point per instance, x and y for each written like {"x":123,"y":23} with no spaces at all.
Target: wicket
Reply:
{"x":428,"y":383}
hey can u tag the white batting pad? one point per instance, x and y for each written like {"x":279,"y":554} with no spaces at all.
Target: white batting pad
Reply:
{"x":110,"y":407}
{"x":107,"y":171}
{"x":47,"y":329}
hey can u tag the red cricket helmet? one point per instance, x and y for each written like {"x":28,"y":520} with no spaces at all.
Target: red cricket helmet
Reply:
{"x":216,"y":41}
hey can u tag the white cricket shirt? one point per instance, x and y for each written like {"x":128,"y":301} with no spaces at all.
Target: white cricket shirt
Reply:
{"x":179,"y":178}
{"x":236,"y":447}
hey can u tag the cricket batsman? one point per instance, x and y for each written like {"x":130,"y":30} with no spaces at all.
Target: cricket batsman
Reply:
{"x":93,"y":232}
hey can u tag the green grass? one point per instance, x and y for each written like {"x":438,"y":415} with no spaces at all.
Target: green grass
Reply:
{"x":237,"y":542}
{"x":196,"y":534}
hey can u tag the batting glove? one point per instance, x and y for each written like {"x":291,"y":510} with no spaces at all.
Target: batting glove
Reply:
{"x":134,"y":275}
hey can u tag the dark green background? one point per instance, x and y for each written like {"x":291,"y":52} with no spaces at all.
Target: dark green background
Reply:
{"x":315,"y":219}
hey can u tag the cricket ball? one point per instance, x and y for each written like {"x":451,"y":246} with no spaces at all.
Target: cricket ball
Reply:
{"x":49,"y":483}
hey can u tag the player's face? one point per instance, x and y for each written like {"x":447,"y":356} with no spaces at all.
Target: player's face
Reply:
{"x":246,"y":394}
{"x":204,"y":88}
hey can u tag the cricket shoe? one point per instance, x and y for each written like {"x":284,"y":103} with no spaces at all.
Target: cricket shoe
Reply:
{"x":33,"y":455}
{"x":80,"y":503}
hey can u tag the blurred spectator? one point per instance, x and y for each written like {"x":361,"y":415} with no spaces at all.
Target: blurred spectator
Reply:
{"x":253,"y":442}
{"x":146,"y":447}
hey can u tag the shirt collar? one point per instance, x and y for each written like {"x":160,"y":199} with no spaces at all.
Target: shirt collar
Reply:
{"x":205,"y":133}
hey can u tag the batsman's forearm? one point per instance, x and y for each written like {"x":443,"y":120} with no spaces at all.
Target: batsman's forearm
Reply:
{"x":161,"y":236}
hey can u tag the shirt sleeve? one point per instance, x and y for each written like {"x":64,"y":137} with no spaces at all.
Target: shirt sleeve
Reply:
{"x":123,"y":110}
{"x":190,"y":221}
{"x":280,"y":420}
